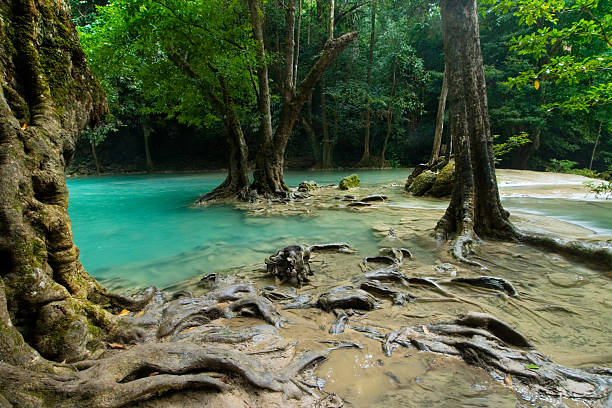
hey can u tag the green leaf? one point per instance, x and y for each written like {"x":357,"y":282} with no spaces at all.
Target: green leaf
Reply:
{"x":532,"y":366}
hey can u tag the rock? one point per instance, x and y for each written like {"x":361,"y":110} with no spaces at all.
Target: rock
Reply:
{"x":443,"y":185}
{"x":358,"y":204}
{"x":375,"y":197}
{"x":349,"y":182}
{"x":308,"y":185}
{"x":423,"y":183}
{"x":346,"y":298}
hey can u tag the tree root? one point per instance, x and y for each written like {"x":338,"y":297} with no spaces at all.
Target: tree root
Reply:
{"x":492,"y":324}
{"x":145,"y":371}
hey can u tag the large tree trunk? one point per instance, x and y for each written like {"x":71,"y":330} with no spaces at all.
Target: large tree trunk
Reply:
{"x":435,"y":152}
{"x":45,"y":294}
{"x":475,"y":206}
{"x":268,"y":176}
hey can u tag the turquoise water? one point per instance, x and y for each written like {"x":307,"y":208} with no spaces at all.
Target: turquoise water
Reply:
{"x":141,"y":230}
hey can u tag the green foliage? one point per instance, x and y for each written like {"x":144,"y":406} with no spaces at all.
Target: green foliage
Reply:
{"x":560,"y":166}
{"x":567,"y":166}
{"x":511,"y":143}
{"x":603,"y":190}
{"x":131,"y":43}
{"x":96,"y":135}
{"x":570,"y":41}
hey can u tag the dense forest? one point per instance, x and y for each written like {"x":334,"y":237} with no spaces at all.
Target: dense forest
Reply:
{"x":375,"y":105}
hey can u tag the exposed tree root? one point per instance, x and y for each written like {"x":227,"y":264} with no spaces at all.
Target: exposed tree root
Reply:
{"x":142,"y":372}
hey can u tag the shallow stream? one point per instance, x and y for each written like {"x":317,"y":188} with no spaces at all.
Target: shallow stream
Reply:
{"x":140,"y":230}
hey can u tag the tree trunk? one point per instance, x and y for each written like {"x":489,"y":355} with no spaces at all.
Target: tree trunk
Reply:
{"x":324,"y":124}
{"x":389,"y":115}
{"x":475,"y":206}
{"x":236,"y":183}
{"x":440,"y":119}
{"x":47,"y":300}
{"x":268,"y":178}
{"x":365,"y":158}
{"x":595,"y":145}
{"x":146,"y":133}
{"x":312,"y":138}
{"x":95,"y":156}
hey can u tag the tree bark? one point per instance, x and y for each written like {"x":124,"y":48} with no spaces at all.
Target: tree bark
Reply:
{"x":475,"y":207}
{"x":365,"y":158}
{"x":435,"y":152}
{"x":146,"y":134}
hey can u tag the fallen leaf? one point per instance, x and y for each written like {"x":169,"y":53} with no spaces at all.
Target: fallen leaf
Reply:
{"x":425,"y":329}
{"x":508,"y":380}
{"x":188,"y":329}
{"x":24,"y":126}
{"x":124,"y":312}
{"x":153,"y":373}
{"x":222,"y":304}
{"x":140,"y":313}
{"x":117,"y":346}
{"x":532,"y":366}
{"x":536,"y":84}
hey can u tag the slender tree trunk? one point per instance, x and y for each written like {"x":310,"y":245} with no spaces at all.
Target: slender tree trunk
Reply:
{"x":365,"y":158}
{"x":312,"y":139}
{"x":595,"y":145}
{"x":146,"y":133}
{"x":440,"y":119}
{"x":389,"y":115}
{"x":297,"y":45}
{"x":324,"y":123}
{"x":475,"y":206}
{"x":95,"y":156}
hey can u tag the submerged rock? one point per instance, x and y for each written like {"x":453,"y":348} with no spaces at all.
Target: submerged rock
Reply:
{"x":374,"y":197}
{"x":349,"y":182}
{"x":443,"y":186}
{"x":423,"y":183}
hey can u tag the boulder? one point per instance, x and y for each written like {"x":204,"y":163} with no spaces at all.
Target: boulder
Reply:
{"x":423,"y":183}
{"x":308,"y":185}
{"x":443,"y":185}
{"x":349,"y":182}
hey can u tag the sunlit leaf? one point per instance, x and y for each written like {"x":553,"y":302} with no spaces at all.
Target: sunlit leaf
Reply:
{"x":536,"y":84}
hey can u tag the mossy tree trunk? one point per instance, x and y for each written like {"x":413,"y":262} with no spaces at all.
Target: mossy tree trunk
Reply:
{"x":47,"y":300}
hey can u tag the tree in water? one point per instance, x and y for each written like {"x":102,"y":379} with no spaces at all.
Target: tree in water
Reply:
{"x":268,"y":175}
{"x":475,"y":209}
